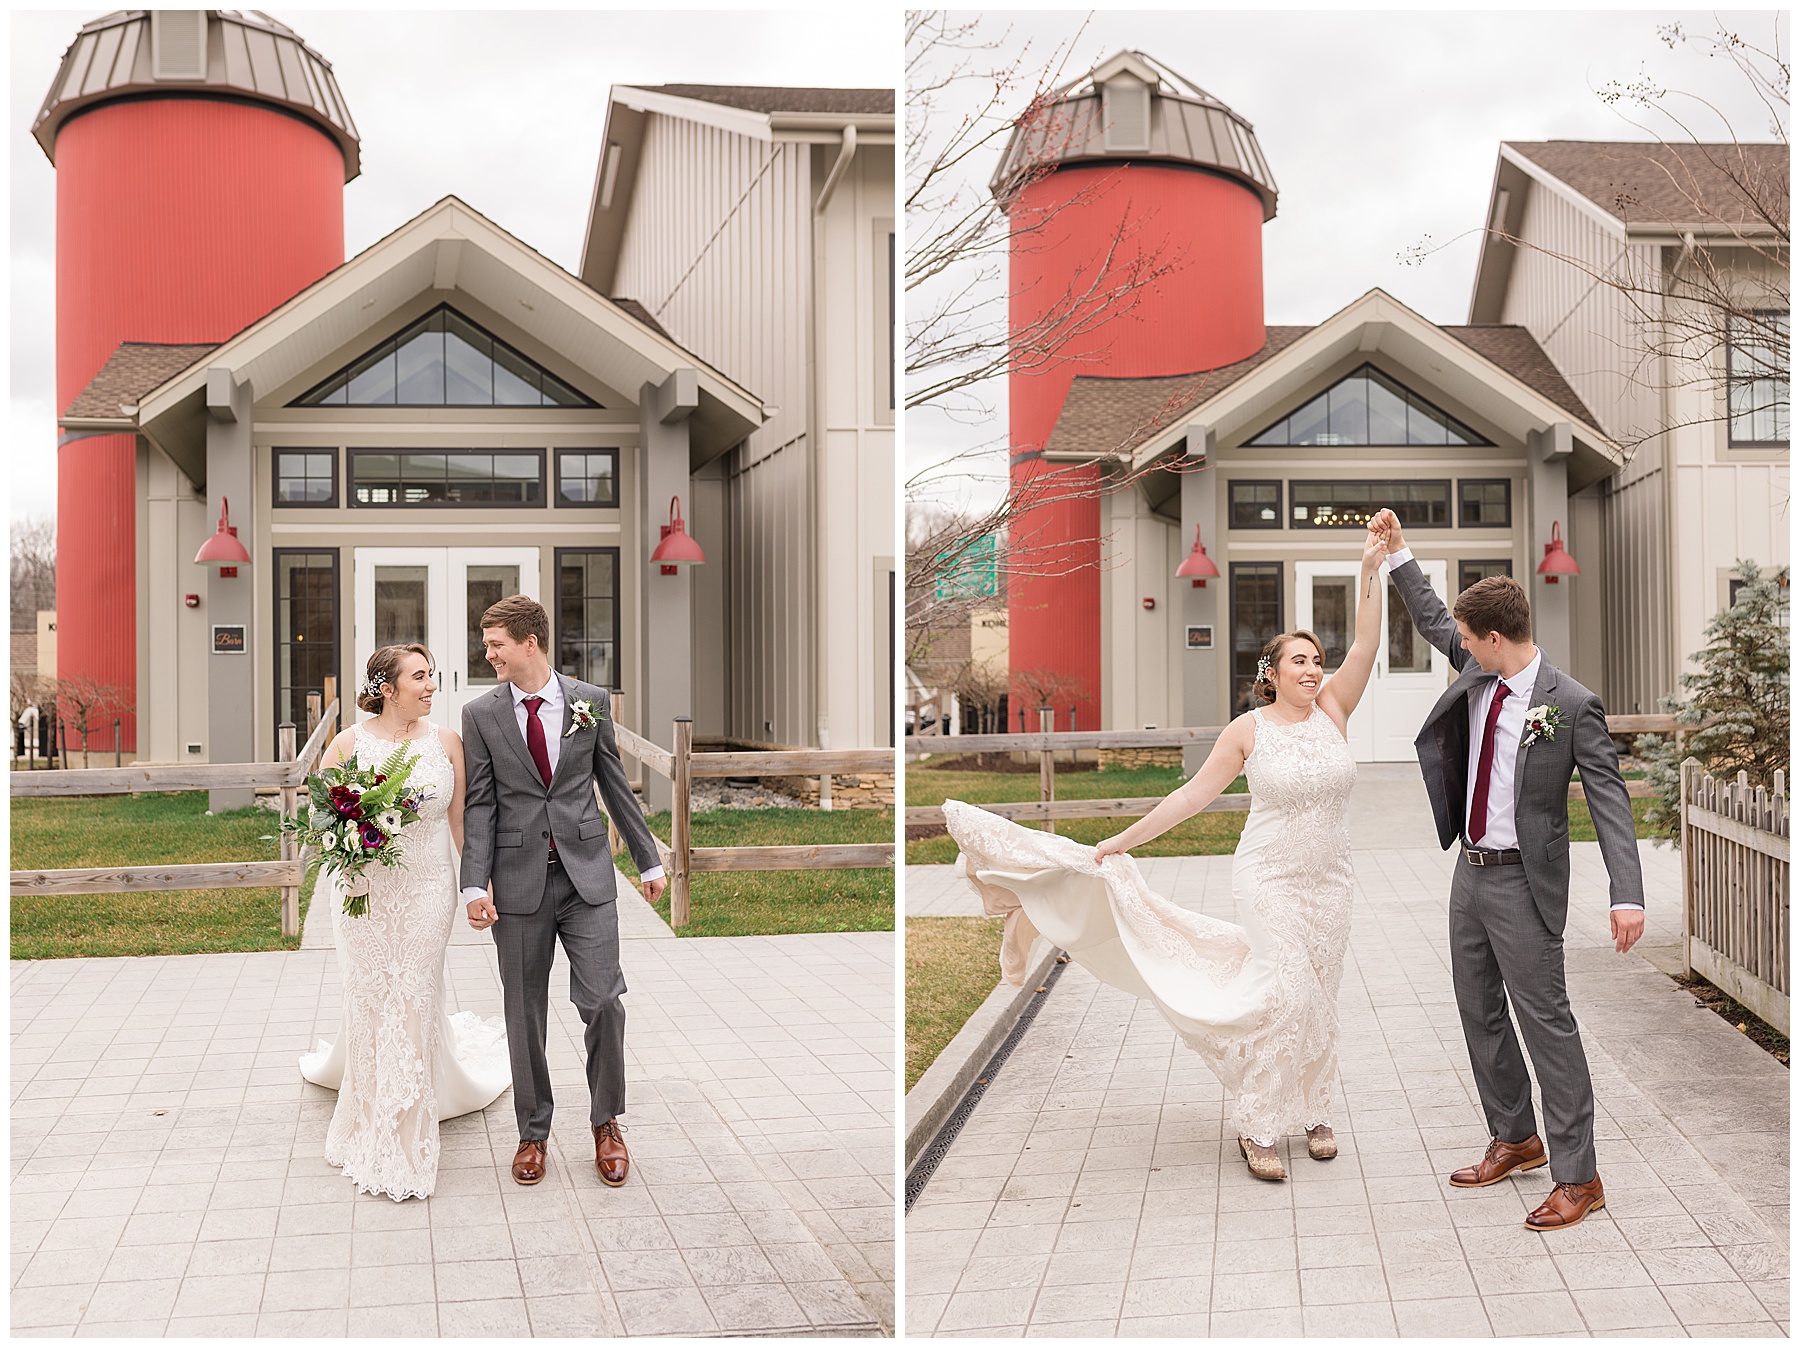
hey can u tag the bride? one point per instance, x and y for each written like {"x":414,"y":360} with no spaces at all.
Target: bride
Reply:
{"x":1257,"y":1002}
{"x":400,"y":1066}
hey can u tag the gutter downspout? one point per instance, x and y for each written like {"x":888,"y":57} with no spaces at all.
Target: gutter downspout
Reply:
{"x":815,"y":458}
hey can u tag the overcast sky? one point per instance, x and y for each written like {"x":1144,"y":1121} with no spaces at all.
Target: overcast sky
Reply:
{"x":1381,"y":130}
{"x":504,"y":110}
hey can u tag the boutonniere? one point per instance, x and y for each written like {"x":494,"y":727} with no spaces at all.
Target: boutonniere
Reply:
{"x":1542,"y":720}
{"x":581,"y":717}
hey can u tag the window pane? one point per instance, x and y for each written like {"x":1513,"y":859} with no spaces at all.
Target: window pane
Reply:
{"x":1309,"y":423}
{"x":1255,"y":505}
{"x":1468,"y":572}
{"x":1255,"y":617}
{"x":515,"y":380}
{"x":469,"y":364}
{"x":420,"y":366}
{"x":1348,"y":415}
{"x":372,"y":379}
{"x":487,"y":586}
{"x":1334,"y":616}
{"x":1486,"y":504}
{"x":1408,"y":652}
{"x":1387,"y":411}
{"x":587,"y":612}
{"x":400,"y":605}
{"x":305,"y":629}
{"x":559,"y":394}
{"x":1424,"y":426}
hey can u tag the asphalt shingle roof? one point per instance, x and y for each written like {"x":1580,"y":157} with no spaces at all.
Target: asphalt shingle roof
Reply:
{"x":133,"y":369}
{"x":1647,"y":182}
{"x":1105,"y":416}
{"x":773,"y":99}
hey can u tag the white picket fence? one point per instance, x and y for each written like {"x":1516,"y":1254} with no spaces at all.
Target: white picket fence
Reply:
{"x":1734,"y":847}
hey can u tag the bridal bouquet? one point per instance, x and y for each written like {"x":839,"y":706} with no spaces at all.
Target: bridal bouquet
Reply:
{"x":354,"y":818}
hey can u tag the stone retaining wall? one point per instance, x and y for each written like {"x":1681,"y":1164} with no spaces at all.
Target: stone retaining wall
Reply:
{"x":865,"y":791}
{"x":1166,"y":756}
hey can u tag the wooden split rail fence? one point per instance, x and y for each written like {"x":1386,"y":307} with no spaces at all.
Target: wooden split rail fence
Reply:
{"x":1734,"y":881}
{"x":1048,"y":742}
{"x":681,"y":765}
{"x":287,"y":775}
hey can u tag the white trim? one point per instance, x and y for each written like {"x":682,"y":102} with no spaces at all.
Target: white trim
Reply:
{"x":1581,"y":201}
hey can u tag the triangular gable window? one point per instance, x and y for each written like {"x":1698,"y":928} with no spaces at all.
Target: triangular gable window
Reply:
{"x":443,"y":360}
{"x":1368,"y":408}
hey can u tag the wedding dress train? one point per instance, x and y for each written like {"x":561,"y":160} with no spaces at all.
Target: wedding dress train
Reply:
{"x":400,"y":1065}
{"x":1257,"y":1001}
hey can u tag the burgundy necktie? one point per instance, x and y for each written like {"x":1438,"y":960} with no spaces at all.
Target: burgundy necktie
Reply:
{"x":1484,"y":768}
{"x":534,"y":738}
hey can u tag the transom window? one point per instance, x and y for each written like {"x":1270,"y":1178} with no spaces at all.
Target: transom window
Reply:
{"x":1484,"y":503}
{"x":443,"y":360}
{"x":1366,"y":407}
{"x":1351,"y":505}
{"x":1255,"y":505}
{"x":476,"y":477}
{"x":587,"y":477}
{"x":306,"y":477}
{"x":1756,"y":377}
{"x":1474,"y":569}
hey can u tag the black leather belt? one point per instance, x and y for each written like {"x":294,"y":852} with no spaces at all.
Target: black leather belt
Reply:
{"x":554,"y":859}
{"x":1481,"y":856}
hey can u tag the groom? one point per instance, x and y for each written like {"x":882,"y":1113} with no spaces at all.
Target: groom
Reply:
{"x":534,"y":747}
{"x":1497,"y":752}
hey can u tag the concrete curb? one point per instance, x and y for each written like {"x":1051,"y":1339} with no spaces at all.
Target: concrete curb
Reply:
{"x":947,"y":1080}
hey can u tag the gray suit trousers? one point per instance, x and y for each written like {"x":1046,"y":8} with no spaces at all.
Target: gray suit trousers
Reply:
{"x":1501,"y":951}
{"x":526,"y":943}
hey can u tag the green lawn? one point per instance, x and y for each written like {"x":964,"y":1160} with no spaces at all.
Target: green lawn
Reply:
{"x":142,"y":831}
{"x":772,"y":903}
{"x":952,"y":964}
{"x":1204,"y":834}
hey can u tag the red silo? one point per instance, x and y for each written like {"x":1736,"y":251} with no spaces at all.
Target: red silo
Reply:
{"x":1136,"y":202}
{"x":201,"y":157}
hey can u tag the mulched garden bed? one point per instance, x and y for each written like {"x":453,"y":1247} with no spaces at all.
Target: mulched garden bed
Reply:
{"x":998,"y":763}
{"x":1761,"y":1033}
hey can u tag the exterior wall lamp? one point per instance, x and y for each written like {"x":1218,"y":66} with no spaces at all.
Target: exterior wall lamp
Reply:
{"x":1557,"y":561}
{"x":1198,"y":567}
{"x":223,"y":548}
{"x":677,"y":549}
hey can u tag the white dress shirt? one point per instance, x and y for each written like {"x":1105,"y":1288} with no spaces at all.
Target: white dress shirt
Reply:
{"x":550,"y":717}
{"x":1503,"y":828}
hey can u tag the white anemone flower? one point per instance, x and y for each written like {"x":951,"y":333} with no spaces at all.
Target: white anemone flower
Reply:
{"x":390,"y":822}
{"x":328,"y":842}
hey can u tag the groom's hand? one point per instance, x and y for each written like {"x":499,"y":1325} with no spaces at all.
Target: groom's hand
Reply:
{"x":653,"y":888}
{"x":482,"y":913}
{"x":1627,"y":926}
{"x":1389,"y":524}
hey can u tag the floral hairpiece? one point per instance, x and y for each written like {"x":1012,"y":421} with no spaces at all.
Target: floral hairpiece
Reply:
{"x":372,"y":685}
{"x":1262,"y":670}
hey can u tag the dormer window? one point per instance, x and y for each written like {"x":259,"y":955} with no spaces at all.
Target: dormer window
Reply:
{"x":1366,"y":407}
{"x":443,"y":360}
{"x":1125,"y":106}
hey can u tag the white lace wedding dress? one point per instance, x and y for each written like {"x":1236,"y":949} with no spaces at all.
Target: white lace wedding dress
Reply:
{"x":1258,"y":1002}
{"x":400,"y":1065}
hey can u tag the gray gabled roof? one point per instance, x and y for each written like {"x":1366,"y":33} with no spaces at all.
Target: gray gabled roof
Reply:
{"x":133,"y":369}
{"x":777,"y":99}
{"x":1655,"y":183}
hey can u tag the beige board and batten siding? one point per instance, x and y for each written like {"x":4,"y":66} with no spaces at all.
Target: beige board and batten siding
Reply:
{"x":1588,"y":329}
{"x":172,"y":639}
{"x":856,"y":465}
{"x":718,"y":250}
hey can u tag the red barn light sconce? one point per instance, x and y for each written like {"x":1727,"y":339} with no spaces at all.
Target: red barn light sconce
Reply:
{"x":1198,"y":567}
{"x":223,"y":549}
{"x":1557,"y":561}
{"x":191,"y":600}
{"x":677,"y":549}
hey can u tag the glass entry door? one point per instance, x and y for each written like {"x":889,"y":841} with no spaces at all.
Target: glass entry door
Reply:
{"x":1409,"y":673}
{"x":436,"y":596}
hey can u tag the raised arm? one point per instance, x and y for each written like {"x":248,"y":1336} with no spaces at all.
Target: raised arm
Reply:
{"x":1344,"y":689}
{"x":1220,"y":770}
{"x":1428,"y":612}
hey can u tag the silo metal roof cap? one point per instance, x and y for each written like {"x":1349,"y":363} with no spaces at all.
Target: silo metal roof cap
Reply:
{"x":1134,"y":109}
{"x":245,"y":55}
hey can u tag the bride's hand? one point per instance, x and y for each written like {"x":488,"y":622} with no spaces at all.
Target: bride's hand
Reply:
{"x":1109,"y":847}
{"x":1374,"y":551}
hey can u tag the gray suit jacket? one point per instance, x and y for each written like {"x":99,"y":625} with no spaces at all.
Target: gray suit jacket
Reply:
{"x":1542,"y":772}
{"x":510,"y":817}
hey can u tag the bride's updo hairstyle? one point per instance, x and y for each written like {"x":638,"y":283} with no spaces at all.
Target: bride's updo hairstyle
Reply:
{"x":384,"y":667}
{"x":1263,"y":690}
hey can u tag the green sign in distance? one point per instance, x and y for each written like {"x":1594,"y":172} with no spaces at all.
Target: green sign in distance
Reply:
{"x":972,"y":573}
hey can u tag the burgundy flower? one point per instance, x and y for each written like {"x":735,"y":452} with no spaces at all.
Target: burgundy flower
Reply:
{"x":346,"y":802}
{"x":372,"y":837}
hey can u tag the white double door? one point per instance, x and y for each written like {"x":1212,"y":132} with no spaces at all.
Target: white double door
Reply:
{"x":1410,"y":674}
{"x":436,"y":596}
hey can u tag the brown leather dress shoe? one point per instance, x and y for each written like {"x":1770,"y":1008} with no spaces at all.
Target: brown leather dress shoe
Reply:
{"x":1501,"y":1160}
{"x":1567,"y":1205}
{"x":610,"y":1157}
{"x":528,"y":1161}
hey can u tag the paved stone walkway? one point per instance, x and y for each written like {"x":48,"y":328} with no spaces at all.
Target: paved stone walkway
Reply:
{"x":1097,"y":1190}
{"x":167,"y":1175}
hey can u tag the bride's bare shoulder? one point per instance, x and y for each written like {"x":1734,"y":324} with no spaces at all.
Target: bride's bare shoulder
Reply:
{"x":451,"y":741}
{"x":1240,"y":734}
